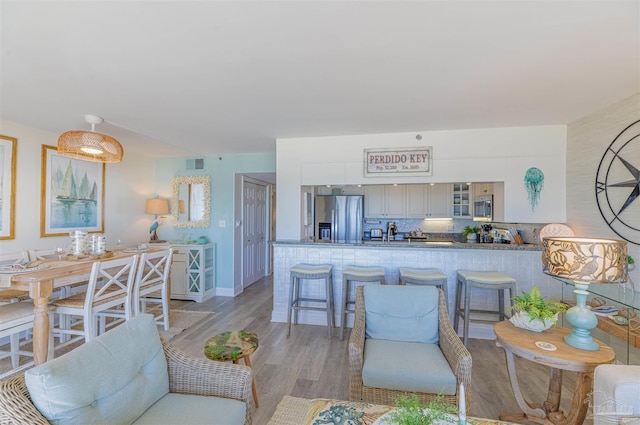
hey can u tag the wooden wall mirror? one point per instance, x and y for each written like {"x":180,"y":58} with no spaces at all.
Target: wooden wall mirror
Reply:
{"x":191,"y":201}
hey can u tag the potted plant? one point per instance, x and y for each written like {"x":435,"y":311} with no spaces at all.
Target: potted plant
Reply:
{"x":411,"y":412}
{"x":471,"y":233}
{"x":631,"y":263}
{"x":533,"y":312}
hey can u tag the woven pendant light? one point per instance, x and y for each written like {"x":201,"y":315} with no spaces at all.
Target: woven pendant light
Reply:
{"x":89,"y":145}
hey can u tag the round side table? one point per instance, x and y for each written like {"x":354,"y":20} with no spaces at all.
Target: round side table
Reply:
{"x":548,"y":348}
{"x":233,"y":346}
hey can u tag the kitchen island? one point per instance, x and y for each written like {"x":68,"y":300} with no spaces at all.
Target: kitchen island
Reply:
{"x":523,"y":262}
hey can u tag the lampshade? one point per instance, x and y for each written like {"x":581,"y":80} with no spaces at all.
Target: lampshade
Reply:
{"x":181,"y":206}
{"x":157,"y":206}
{"x":585,"y":259}
{"x":555,"y":229}
{"x":89,"y":145}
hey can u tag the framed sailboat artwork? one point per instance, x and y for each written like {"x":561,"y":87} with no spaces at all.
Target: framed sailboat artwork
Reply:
{"x":72,"y":194}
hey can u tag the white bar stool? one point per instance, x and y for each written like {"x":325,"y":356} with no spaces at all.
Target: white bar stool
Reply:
{"x":433,"y":277}
{"x":466,"y":280}
{"x":356,"y":274}
{"x":301,"y":272}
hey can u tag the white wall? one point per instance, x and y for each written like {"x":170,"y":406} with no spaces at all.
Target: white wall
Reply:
{"x":587,"y":140}
{"x":127,"y":185}
{"x":502,"y":154}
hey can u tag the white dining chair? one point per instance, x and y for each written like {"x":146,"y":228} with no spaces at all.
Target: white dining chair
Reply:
{"x":48,"y":255}
{"x":110,"y":286}
{"x":152,"y":277}
{"x":16,"y":320}
{"x":8,"y":295}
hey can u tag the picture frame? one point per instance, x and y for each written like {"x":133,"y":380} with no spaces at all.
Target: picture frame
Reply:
{"x":8,"y":151}
{"x":410,"y":161}
{"x":72,"y":194}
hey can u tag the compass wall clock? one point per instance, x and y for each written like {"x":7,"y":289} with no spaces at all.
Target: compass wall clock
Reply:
{"x":618,"y":184}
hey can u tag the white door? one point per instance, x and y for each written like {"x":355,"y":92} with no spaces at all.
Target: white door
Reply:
{"x":254,"y":232}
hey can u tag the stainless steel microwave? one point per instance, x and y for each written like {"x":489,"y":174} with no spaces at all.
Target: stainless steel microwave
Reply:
{"x":483,"y":208}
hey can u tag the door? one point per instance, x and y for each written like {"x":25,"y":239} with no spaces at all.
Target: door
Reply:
{"x":254,"y":232}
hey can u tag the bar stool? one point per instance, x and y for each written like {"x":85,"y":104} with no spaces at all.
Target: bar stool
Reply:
{"x":356,"y":274}
{"x":466,"y":280}
{"x":433,"y":277}
{"x":301,"y":272}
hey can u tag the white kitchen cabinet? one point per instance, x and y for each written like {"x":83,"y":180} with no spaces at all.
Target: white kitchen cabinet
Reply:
{"x":482,"y":189}
{"x":385,"y":201}
{"x":439,"y":201}
{"x":461,"y":200}
{"x":429,"y":201}
{"x":193,"y":272}
{"x":353,"y":190}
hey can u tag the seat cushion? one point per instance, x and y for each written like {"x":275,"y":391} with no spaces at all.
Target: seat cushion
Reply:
{"x":407,"y":366}
{"x":616,"y":393}
{"x":111,"y":379}
{"x":401,"y":313}
{"x":176,"y":408}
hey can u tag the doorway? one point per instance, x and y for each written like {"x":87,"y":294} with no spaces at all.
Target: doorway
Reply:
{"x":254,"y":224}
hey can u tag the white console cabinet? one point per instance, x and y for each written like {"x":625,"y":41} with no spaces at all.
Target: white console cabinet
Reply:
{"x":193,"y":272}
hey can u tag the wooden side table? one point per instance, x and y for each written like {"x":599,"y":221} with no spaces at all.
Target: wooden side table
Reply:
{"x":233,"y":346}
{"x":523,"y":344}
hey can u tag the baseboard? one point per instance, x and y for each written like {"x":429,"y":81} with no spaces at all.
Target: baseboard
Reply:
{"x":225,"y":292}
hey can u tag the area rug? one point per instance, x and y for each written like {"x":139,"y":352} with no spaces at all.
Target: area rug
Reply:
{"x":181,"y":320}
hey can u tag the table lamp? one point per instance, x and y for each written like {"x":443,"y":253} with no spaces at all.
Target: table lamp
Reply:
{"x":156,"y":206}
{"x":584,"y":261}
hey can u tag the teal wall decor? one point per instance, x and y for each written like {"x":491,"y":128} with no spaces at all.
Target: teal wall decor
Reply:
{"x":533,"y":183}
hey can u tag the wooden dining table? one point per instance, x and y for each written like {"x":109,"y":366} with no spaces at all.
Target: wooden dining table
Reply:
{"x":41,"y":284}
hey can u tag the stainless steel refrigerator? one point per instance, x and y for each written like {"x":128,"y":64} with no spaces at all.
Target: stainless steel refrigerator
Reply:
{"x":339,"y":218}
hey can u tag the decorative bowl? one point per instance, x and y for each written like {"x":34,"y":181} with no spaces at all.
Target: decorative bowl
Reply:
{"x":522,"y":320}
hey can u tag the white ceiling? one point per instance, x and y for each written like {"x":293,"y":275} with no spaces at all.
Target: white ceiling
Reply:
{"x":215,"y":77}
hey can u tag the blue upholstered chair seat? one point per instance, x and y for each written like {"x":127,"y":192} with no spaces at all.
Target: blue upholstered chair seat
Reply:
{"x":402,"y":341}
{"x":194,"y":409}
{"x":407,"y":366}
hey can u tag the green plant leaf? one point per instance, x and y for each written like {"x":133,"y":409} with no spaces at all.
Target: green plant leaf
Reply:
{"x":533,"y":303}
{"x":411,"y":412}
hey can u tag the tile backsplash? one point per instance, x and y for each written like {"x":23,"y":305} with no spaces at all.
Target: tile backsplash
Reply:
{"x":453,"y":228}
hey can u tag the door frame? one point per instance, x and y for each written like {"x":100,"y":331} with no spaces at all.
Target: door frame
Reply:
{"x":238,"y":240}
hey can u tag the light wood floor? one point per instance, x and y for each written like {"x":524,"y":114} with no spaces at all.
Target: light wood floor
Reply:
{"x":307,"y":364}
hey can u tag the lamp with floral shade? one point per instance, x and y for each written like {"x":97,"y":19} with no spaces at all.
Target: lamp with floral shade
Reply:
{"x":584,"y":261}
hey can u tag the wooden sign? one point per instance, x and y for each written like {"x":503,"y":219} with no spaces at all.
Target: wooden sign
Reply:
{"x":400,"y":161}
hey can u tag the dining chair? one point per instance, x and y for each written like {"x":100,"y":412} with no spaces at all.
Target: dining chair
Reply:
{"x":48,"y":255}
{"x":16,"y":320}
{"x":152,"y":276}
{"x":110,"y":286}
{"x":8,"y":295}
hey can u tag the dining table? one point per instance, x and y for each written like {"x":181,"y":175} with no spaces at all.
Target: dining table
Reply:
{"x":55,"y":273}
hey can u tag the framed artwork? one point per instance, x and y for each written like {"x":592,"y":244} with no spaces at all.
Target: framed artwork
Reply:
{"x":8,"y":148}
{"x":414,"y":161}
{"x":72,"y":194}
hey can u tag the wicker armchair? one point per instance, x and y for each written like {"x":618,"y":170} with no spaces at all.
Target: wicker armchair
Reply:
{"x":455,"y":352}
{"x":187,"y":375}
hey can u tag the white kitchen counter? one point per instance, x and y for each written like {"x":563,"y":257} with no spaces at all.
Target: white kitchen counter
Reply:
{"x":520,"y":261}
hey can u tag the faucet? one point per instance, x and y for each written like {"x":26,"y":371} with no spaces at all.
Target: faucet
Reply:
{"x":392,"y":230}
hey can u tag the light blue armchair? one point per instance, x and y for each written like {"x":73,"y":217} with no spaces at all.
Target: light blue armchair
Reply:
{"x":402,"y":342}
